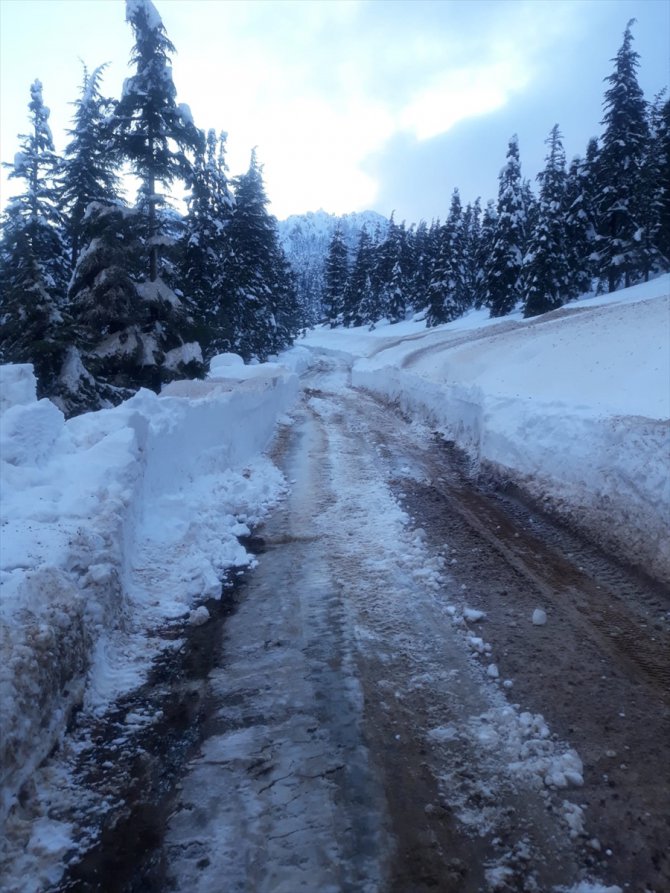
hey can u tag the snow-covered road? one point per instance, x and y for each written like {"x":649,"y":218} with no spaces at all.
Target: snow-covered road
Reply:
{"x":375,"y":708}
{"x":364,"y":737}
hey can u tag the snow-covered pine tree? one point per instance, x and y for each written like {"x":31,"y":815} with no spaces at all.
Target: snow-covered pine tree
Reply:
{"x":504,"y":263}
{"x":361,"y":274}
{"x":336,"y":276}
{"x":291,"y":315}
{"x":546,"y":266}
{"x":419,"y":274}
{"x":33,"y":259}
{"x":471,"y":229}
{"x":447,"y":286}
{"x":253,"y":269}
{"x":487,"y":233}
{"x":396,"y":300}
{"x":407,"y":264}
{"x":655,"y":185}
{"x":152,"y":132}
{"x":107,"y":361}
{"x":368,"y":305}
{"x":457,"y":255}
{"x":437,"y":293}
{"x":89,"y":170}
{"x":388,"y":302}
{"x":624,"y":147}
{"x":580,"y":220}
{"x":661,"y":136}
{"x":206,"y":245}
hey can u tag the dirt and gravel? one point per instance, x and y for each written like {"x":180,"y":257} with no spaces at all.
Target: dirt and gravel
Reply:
{"x":598,"y":671}
{"x":332,"y":729}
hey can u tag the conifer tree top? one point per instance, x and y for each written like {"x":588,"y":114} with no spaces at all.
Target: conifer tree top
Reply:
{"x":145,"y":10}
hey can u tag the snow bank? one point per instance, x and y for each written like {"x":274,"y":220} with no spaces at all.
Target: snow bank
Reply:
{"x":111,"y":522}
{"x":574,"y":406}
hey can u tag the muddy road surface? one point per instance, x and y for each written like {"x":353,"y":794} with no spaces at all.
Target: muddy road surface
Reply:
{"x":389,"y":718}
{"x":378,"y":712}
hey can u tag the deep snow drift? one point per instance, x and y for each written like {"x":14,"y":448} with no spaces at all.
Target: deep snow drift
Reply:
{"x":113,"y":523}
{"x":573,"y":405}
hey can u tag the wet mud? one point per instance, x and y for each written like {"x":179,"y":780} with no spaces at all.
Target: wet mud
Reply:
{"x":598,"y":671}
{"x":138,"y":772}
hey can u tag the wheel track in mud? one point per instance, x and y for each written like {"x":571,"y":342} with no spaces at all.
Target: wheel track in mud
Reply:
{"x":602,"y":664}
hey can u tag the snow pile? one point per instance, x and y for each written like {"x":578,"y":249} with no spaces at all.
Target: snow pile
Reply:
{"x":532,"y":752}
{"x":574,"y":405}
{"x":112,"y":522}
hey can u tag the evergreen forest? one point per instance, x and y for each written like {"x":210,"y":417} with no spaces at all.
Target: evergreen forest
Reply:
{"x":104,"y":295}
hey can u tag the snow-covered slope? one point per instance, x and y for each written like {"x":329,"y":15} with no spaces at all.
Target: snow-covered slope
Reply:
{"x":305,"y":239}
{"x":573,"y":405}
{"x":113,"y":523}
{"x":303,"y":233}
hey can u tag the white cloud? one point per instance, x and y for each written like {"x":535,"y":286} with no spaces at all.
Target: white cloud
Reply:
{"x":461,"y":94}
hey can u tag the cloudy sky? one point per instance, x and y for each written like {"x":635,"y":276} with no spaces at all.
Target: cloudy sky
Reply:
{"x":353,"y":104}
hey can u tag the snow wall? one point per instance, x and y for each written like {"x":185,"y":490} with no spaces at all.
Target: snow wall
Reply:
{"x":607,"y":475}
{"x":75,"y":496}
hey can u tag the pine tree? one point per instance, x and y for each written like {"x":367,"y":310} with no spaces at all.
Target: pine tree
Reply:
{"x":440,"y":303}
{"x":206,"y":246}
{"x":336,"y":276}
{"x":33,"y":259}
{"x":388,"y":300}
{"x":624,"y":146}
{"x":148,"y":122}
{"x":357,"y":284}
{"x":662,"y":151}
{"x":368,"y":305}
{"x":504,"y":264}
{"x":290,"y":314}
{"x":655,"y":186}
{"x":546,"y":263}
{"x":252,"y":270}
{"x":447,"y":287}
{"x":110,"y":316}
{"x":89,"y":170}
{"x":580,"y":220}
{"x":487,"y":233}
{"x":419,"y":275}
{"x":471,"y":248}
{"x":396,"y":302}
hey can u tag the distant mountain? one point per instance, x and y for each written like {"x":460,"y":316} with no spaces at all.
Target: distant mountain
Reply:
{"x":305,"y":239}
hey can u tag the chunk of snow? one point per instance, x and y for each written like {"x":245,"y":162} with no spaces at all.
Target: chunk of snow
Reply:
{"x":574,"y":818}
{"x":18,"y":385}
{"x":472,"y":615}
{"x":185,"y":113}
{"x":199,"y":616}
{"x":492,"y":671}
{"x":225,"y":359}
{"x":539,"y":617}
{"x":29,"y":432}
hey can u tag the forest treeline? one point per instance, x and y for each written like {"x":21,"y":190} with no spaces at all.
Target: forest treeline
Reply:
{"x":602,"y":222}
{"x":104,"y":296}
